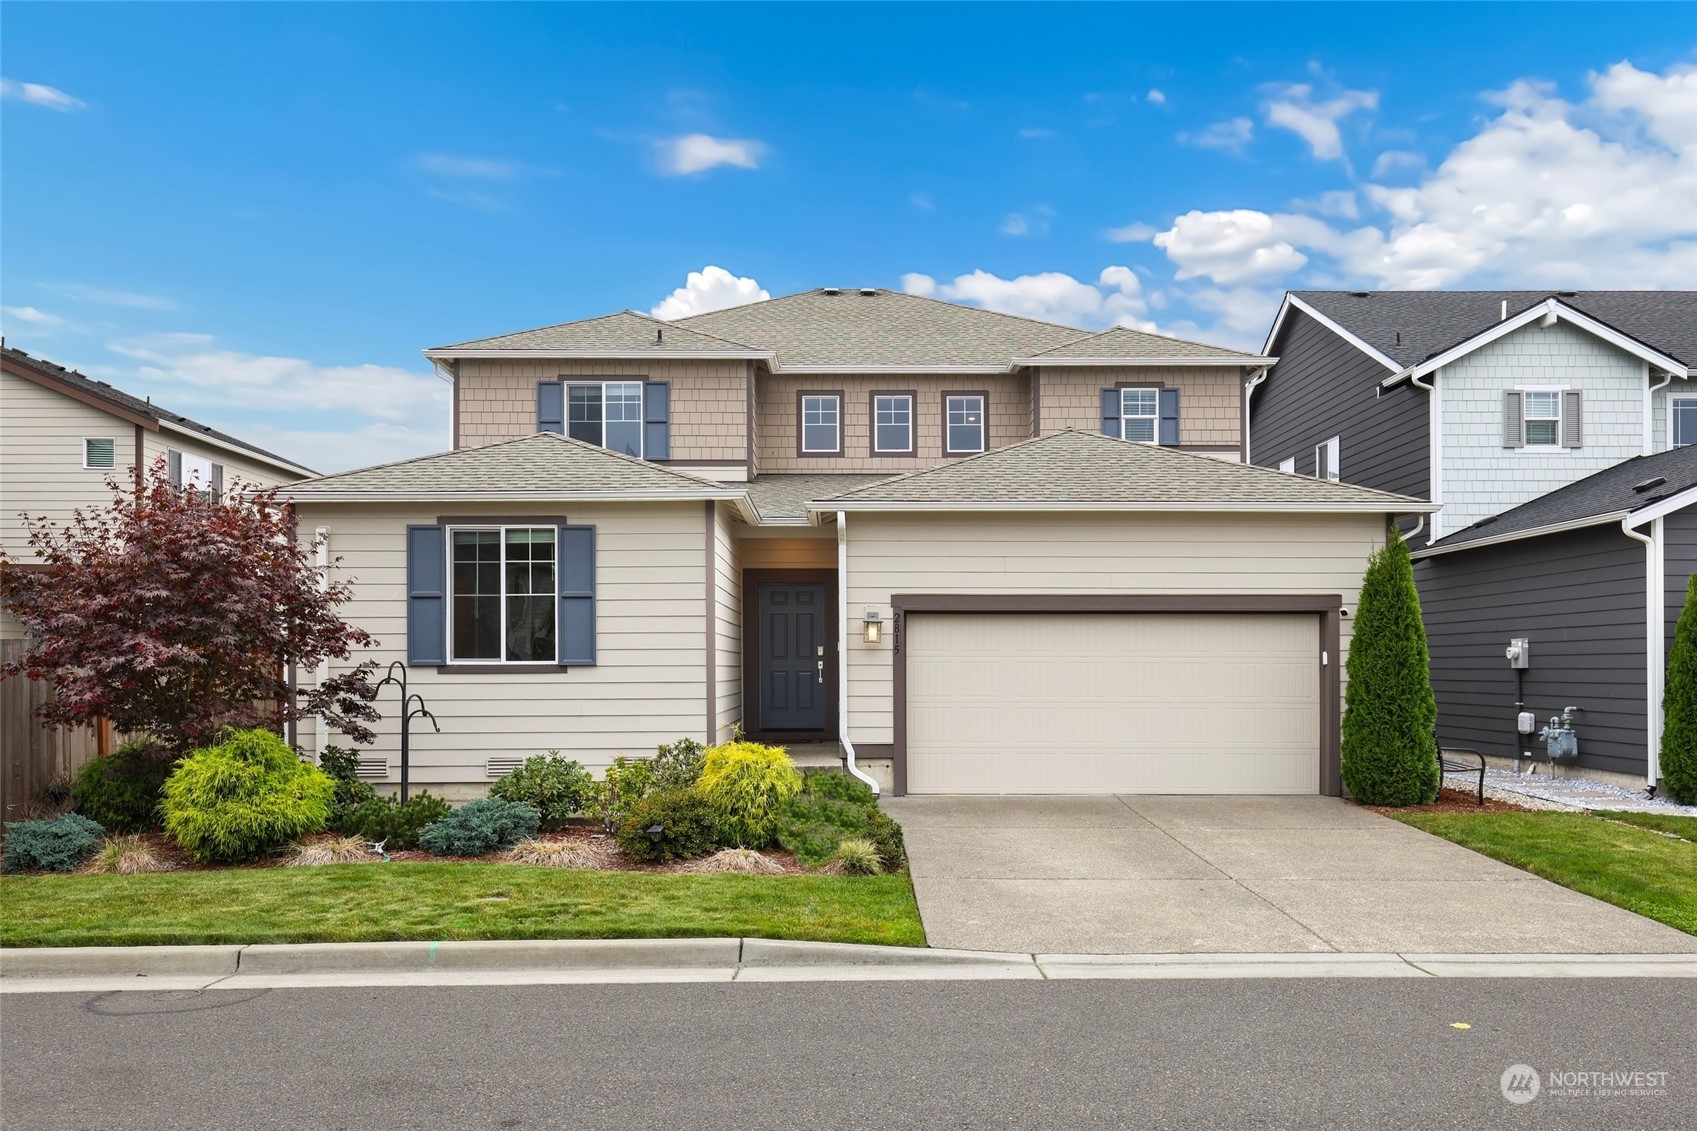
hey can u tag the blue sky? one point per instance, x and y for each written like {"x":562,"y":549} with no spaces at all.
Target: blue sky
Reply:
{"x":259,"y":214}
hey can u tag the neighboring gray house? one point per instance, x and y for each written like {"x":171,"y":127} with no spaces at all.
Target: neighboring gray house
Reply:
{"x":1594,"y":575}
{"x":1529,"y":416}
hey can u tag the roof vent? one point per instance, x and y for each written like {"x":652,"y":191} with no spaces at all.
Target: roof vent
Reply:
{"x":1361,"y":294}
{"x":1649,"y":484}
{"x":1484,"y":522}
{"x":868,"y":292}
{"x":830,"y":290}
{"x":1568,"y":294}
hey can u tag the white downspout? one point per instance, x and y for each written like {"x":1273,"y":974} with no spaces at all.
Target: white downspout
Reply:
{"x":1654,"y":642}
{"x":321,"y":541}
{"x":843,"y":654}
{"x":1650,"y":409}
{"x":1434,"y":455}
{"x":1249,"y":391}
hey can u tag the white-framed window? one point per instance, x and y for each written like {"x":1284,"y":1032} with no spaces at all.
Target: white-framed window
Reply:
{"x":505,"y":601}
{"x":1682,"y":421}
{"x":1140,"y":414}
{"x":1326,"y":459}
{"x":607,"y":414}
{"x":1541,"y":417}
{"x":1288,"y":465}
{"x":99,"y":453}
{"x":822,"y":423}
{"x":963,"y":423}
{"x":892,"y":423}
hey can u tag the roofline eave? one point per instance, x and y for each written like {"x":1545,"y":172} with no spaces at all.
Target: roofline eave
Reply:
{"x":1389,"y":506}
{"x":451,"y":353}
{"x":236,"y":449}
{"x":507,"y":494}
{"x":1246,"y":361}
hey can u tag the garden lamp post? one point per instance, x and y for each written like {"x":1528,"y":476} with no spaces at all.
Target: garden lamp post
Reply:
{"x":412,"y":706}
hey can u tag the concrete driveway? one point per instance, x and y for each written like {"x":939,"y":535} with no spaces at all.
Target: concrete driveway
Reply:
{"x":1147,"y":875}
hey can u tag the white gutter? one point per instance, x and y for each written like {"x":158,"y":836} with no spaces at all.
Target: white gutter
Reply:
{"x":1655,"y":624}
{"x":1529,"y":532}
{"x":842,"y":656}
{"x":1391,"y":505}
{"x":1129,"y":362}
{"x":1249,"y":388}
{"x":602,"y":355}
{"x":1650,"y":410}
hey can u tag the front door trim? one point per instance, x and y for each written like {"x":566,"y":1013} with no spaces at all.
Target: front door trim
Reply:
{"x":1327,"y":607}
{"x":752,"y":579}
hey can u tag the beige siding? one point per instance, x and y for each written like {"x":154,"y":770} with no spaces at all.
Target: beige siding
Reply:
{"x":649,"y":683}
{"x":727,"y":579}
{"x":1235,"y":554}
{"x":1210,"y":399}
{"x":789,"y":553}
{"x":497,"y":401}
{"x":1009,"y":412}
{"x":236,"y":467}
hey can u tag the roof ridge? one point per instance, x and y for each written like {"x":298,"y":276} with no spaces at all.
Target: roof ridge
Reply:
{"x":596,"y":318}
{"x":1120,"y":329}
{"x":692,"y":329}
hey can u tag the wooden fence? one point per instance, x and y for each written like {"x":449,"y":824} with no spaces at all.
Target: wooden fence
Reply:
{"x":33,"y":755}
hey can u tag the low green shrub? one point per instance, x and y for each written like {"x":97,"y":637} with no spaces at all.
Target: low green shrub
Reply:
{"x":859,"y":857}
{"x":342,"y":767}
{"x":480,"y":827}
{"x":830,"y":808}
{"x":57,"y":844}
{"x":120,"y":792}
{"x":555,"y":787}
{"x":242,"y":797}
{"x":385,"y":821}
{"x":747,"y":785}
{"x":677,"y":765}
{"x":839,"y":787}
{"x":668,"y":825}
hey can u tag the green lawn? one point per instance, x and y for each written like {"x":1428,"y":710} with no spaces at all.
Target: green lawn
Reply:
{"x":1661,"y":822}
{"x":381,"y":902}
{"x":1627,"y":866}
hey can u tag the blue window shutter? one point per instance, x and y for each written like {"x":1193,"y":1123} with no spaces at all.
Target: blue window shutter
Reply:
{"x":427,"y":595}
{"x":576,"y":578}
{"x":1111,"y":413}
{"x":551,"y":406}
{"x":657,"y":420}
{"x":1169,"y":418}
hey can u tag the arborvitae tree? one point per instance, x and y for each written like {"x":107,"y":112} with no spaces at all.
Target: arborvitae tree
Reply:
{"x":1390,"y":717}
{"x":1679,"y":705}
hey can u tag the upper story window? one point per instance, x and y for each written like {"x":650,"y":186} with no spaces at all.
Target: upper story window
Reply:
{"x":892,"y":423}
{"x":607,"y":414}
{"x":1140,"y":410}
{"x":189,"y":470}
{"x":1326,"y":459}
{"x":504,"y":597}
{"x":100,"y":454}
{"x":1543,"y":419}
{"x":821,"y":427}
{"x":1682,"y":414}
{"x":1288,"y":465}
{"x":963,"y":424}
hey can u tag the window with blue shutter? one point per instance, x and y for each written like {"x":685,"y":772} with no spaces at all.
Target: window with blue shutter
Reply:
{"x":657,"y":420}
{"x":1169,"y":418}
{"x":1111,"y":413}
{"x":551,"y":407}
{"x":427,"y":596}
{"x":577,"y":595}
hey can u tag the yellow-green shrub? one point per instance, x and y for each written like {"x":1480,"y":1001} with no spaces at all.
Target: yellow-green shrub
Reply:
{"x":747,"y":785}
{"x":239,"y":799}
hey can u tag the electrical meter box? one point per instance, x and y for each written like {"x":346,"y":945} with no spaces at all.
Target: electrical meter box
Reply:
{"x":1519,"y":653}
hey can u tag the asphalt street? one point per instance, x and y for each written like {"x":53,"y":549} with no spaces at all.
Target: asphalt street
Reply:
{"x":1144,"y":1054}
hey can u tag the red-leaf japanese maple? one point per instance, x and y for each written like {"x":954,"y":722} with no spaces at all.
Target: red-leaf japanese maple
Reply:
{"x":175,"y":612}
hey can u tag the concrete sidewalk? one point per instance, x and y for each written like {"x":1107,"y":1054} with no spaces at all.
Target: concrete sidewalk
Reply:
{"x":1209,"y":875}
{"x":157,"y":969}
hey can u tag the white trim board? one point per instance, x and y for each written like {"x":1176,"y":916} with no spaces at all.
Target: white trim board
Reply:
{"x":1291,"y":300}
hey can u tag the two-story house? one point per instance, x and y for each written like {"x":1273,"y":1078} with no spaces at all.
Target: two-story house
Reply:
{"x":966,"y":551}
{"x":1523,"y":414}
{"x":62,"y":436}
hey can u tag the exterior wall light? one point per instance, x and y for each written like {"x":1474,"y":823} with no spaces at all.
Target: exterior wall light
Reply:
{"x":874,"y":626}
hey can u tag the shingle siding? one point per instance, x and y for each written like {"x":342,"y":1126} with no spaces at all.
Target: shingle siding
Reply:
{"x":1579,"y":598}
{"x":1324,"y":387}
{"x":1210,"y":399}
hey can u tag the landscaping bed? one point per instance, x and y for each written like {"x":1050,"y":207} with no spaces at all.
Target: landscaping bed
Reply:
{"x":1603,"y":856}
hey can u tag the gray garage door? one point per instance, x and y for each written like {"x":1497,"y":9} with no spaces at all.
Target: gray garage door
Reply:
{"x":1113,"y":703}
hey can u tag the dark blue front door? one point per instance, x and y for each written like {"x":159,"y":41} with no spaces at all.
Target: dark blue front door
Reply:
{"x":792,"y":656}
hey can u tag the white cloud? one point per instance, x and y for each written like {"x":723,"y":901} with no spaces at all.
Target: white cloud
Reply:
{"x":1034,"y":221}
{"x":1116,"y":298}
{"x":697,"y":153}
{"x":1547,"y":193}
{"x":1341,"y":203}
{"x":1231,"y":136}
{"x":1292,"y":107}
{"x":711,"y":288}
{"x":1132,"y":233}
{"x":33,"y":316}
{"x":468,"y":168}
{"x":1393,"y":161}
{"x":325,"y":416}
{"x":36,"y":94}
{"x":1156,"y":97}
{"x":109,"y":296}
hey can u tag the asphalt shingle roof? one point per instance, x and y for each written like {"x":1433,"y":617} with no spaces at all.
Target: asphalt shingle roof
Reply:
{"x":624,"y":332}
{"x":785,"y":496}
{"x":70,"y":378}
{"x":545,"y":463}
{"x":844,"y":328}
{"x":1411,"y":326}
{"x":1613,"y":490}
{"x":1089,"y":468}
